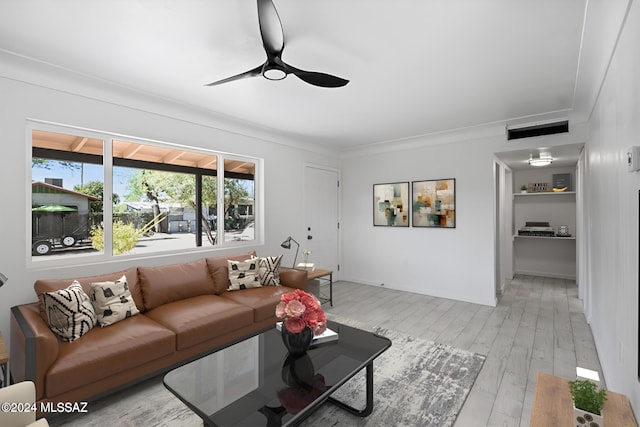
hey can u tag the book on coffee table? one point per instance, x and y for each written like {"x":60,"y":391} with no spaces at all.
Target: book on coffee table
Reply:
{"x":326,"y":336}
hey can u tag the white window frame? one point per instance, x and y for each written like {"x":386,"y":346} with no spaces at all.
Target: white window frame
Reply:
{"x":107,"y":256}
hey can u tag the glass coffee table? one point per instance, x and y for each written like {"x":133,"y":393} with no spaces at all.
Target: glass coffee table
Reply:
{"x":255,"y":383}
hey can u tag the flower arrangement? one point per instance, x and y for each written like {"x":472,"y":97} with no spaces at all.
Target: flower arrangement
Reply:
{"x":299,"y":310}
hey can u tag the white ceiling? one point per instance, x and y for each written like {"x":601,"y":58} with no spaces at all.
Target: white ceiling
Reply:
{"x":416,"y":67}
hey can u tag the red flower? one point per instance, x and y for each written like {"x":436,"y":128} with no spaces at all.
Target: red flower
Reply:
{"x":295,"y":325}
{"x":310,"y":301}
{"x":288,"y":297}
{"x":311,"y":317}
{"x":295,"y":309}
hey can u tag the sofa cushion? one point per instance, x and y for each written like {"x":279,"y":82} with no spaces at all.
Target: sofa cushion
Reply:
{"x":112,"y":301}
{"x":220,"y":271}
{"x":47,"y":285}
{"x":269,"y":270}
{"x":69,"y":311}
{"x":199,"y":319}
{"x":243,"y":274}
{"x":169,"y":283}
{"x":104,"y":352}
{"x":262,"y":300}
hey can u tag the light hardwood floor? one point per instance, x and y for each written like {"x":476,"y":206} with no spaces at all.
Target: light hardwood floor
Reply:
{"x":538,"y":325}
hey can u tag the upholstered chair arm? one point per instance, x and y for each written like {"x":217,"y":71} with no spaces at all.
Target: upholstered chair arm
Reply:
{"x":34,"y":347}
{"x":21,"y":395}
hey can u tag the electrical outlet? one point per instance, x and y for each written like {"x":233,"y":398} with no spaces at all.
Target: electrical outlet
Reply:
{"x":633,"y":159}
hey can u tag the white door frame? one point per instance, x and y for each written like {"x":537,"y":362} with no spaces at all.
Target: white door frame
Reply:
{"x":583,"y":273}
{"x":503,"y":225}
{"x":308,"y":191}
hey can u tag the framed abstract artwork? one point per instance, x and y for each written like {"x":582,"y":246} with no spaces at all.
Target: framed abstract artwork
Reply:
{"x":434,"y":203}
{"x":391,"y":204}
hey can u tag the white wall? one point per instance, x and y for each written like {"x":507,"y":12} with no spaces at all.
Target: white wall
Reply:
{"x":613,"y":216}
{"x":452,"y":263}
{"x":21,"y":101}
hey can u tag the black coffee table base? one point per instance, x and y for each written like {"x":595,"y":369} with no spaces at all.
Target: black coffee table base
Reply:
{"x":369,"y":405}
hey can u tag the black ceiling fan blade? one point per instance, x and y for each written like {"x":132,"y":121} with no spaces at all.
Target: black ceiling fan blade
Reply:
{"x":251,"y":73}
{"x":270,"y":28}
{"x":317,"y":79}
{"x":273,"y":42}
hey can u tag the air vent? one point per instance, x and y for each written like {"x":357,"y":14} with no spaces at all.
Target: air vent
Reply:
{"x":538,"y":130}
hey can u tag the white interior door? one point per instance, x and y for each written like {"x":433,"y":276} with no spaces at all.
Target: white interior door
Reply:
{"x":321,"y":214}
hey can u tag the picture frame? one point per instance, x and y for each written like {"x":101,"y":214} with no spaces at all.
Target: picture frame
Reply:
{"x":434,"y":203}
{"x":391,"y":204}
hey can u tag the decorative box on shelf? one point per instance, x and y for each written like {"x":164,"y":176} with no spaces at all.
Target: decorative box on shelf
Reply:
{"x":309,"y":266}
{"x":539,"y":187}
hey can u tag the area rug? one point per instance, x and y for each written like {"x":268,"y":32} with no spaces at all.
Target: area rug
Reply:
{"x":416,"y":383}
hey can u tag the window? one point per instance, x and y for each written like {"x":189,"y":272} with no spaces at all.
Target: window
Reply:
{"x":159,"y":197}
{"x":239,"y":198}
{"x":66,"y":191}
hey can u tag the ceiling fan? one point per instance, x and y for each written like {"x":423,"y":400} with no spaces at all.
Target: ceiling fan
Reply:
{"x":274,"y":67}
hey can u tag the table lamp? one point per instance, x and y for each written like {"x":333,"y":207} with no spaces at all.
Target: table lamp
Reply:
{"x":287,"y":245}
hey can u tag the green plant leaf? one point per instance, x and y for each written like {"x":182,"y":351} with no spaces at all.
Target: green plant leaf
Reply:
{"x":586,"y":396}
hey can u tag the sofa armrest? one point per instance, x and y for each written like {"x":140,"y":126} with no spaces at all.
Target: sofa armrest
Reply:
{"x":34,"y":347}
{"x":294,"y":278}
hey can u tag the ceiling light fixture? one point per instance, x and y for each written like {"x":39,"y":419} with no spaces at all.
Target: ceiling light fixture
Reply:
{"x":543,"y":160}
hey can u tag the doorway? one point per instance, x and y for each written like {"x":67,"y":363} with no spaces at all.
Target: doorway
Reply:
{"x":322,"y":228}
{"x":524,"y":195}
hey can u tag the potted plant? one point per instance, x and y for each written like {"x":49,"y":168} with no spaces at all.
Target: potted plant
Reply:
{"x":523,"y":189}
{"x":587,"y":403}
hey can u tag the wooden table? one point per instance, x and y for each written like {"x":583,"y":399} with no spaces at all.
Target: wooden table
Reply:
{"x":552,"y":405}
{"x":326,"y":275}
{"x":4,"y":359}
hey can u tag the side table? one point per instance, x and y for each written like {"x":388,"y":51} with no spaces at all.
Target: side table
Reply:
{"x":325,"y":276}
{"x":4,"y":359}
{"x":552,"y":405}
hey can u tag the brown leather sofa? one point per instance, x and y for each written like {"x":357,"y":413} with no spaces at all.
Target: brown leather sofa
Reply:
{"x":185,"y":312}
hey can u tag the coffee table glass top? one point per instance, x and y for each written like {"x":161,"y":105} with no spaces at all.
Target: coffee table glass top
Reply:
{"x":254,"y":383}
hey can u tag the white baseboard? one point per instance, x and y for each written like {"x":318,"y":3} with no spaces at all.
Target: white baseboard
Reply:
{"x":547,"y":274}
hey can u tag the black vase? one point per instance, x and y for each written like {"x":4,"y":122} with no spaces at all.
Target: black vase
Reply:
{"x":298,"y":371}
{"x":297,"y":343}
{"x":304,"y":385}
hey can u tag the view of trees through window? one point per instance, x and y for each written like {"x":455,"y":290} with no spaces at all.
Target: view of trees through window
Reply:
{"x":162,"y":198}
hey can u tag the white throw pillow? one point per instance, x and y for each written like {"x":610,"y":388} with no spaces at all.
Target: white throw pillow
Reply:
{"x":69,"y":312}
{"x":243,"y":274}
{"x":269,"y":270}
{"x":112,"y":301}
